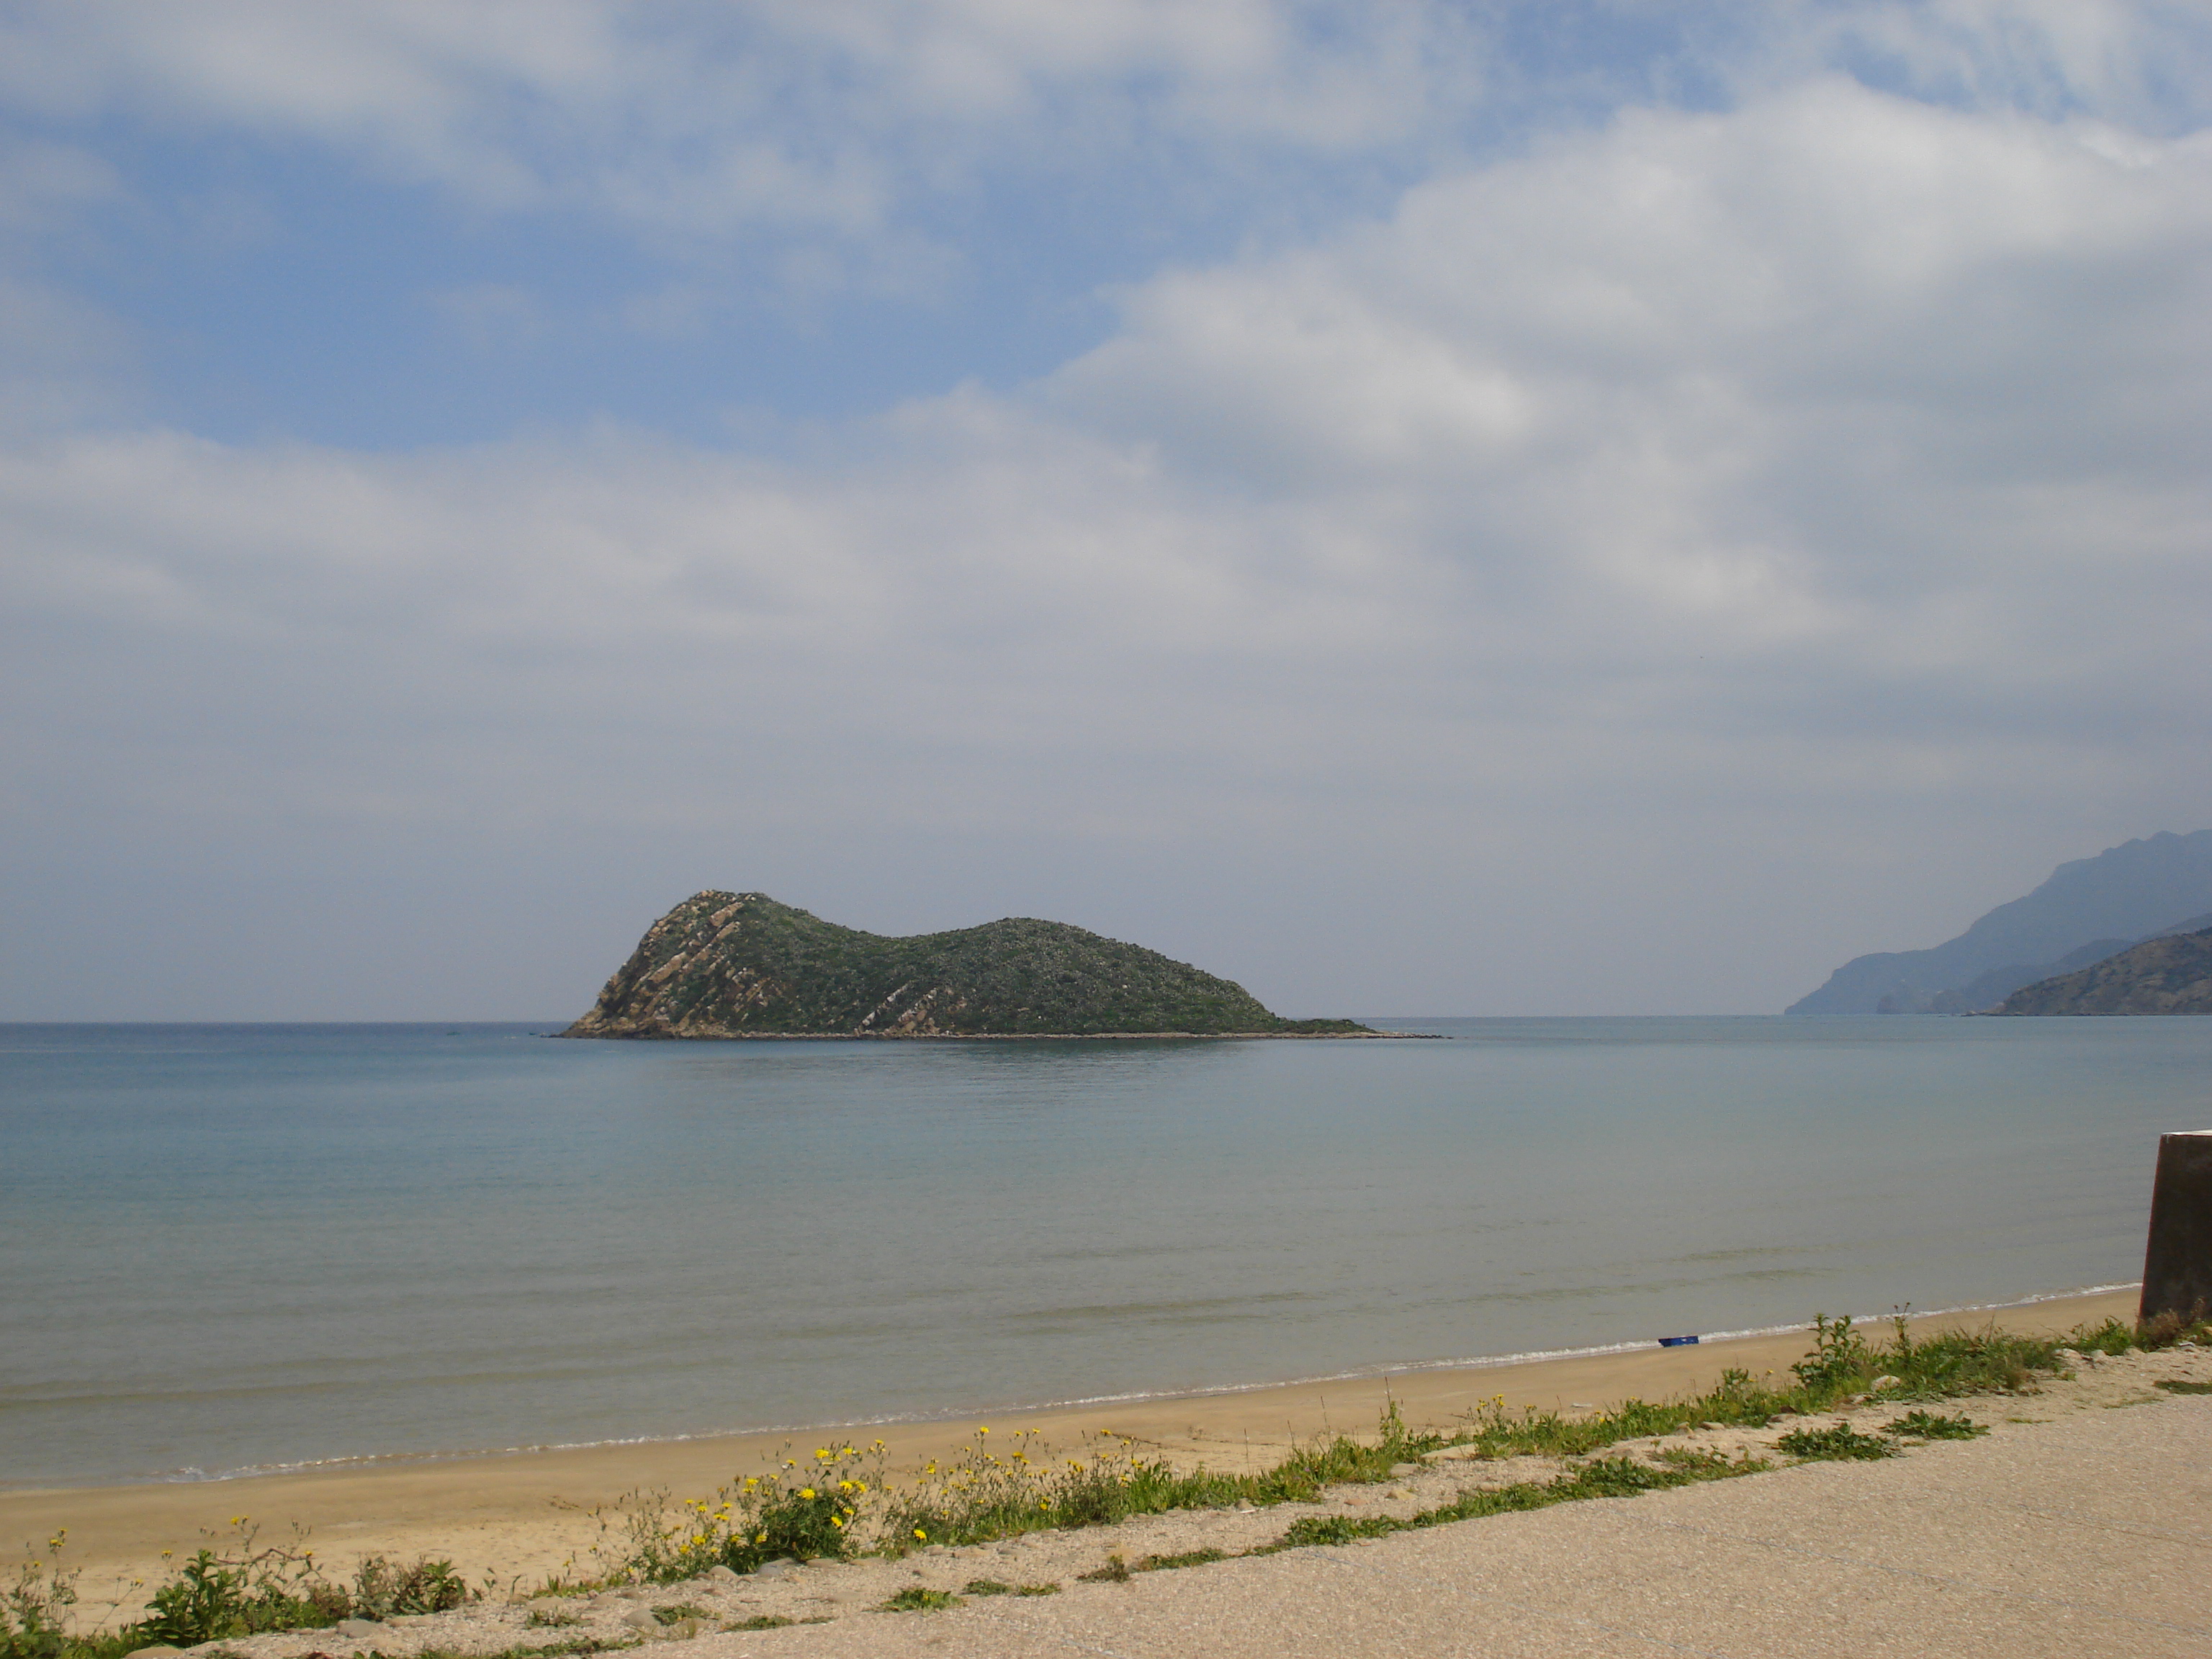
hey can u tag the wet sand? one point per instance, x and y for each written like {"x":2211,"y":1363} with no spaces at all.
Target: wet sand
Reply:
{"x":521,"y":1517}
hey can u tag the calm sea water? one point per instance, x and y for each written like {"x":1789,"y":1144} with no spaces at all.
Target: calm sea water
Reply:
{"x":224,"y":1248}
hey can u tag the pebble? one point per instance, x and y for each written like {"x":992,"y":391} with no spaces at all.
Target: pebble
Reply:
{"x":358,"y":1627}
{"x":777,"y":1568}
{"x":641,"y":1619}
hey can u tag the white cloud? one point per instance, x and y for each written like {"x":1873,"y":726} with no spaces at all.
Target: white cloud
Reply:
{"x":1664,"y":516}
{"x":709,"y":118}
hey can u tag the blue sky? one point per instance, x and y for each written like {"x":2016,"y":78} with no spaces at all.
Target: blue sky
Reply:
{"x":1420,"y":508}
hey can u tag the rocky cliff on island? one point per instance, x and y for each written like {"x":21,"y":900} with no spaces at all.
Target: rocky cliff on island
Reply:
{"x":742,"y":965}
{"x":2169,"y":975}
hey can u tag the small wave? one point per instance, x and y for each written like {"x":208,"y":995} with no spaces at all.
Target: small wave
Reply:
{"x":191,"y":1474}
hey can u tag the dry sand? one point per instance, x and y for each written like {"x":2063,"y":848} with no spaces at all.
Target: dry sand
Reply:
{"x":524,"y":1516}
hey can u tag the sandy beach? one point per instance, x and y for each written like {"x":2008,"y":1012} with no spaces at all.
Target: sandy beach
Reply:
{"x":518,"y":1518}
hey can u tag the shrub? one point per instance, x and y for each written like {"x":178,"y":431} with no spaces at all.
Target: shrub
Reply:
{"x":806,"y":1512}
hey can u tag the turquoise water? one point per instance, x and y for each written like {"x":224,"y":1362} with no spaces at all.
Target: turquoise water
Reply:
{"x":225,"y":1248}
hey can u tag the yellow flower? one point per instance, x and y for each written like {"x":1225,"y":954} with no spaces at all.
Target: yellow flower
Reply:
{"x":807,"y":1491}
{"x":922,"y":1535}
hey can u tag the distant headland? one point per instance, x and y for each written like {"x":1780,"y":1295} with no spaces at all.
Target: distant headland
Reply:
{"x":743,"y":965}
{"x":2169,"y":974}
{"x":2089,"y":911}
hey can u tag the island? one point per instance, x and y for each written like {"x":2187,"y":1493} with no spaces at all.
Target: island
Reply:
{"x":723,"y":965}
{"x":2170,"y":975}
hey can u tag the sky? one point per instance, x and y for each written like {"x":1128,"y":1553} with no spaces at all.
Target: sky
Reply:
{"x":1566,"y":508}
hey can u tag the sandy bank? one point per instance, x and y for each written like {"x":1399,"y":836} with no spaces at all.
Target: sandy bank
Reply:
{"x":524,"y":1516}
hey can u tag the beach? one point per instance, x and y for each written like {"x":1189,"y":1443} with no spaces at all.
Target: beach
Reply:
{"x":516,"y":1519}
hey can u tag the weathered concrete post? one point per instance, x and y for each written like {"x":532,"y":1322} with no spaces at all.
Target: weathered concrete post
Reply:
{"x":2177,"y":1261}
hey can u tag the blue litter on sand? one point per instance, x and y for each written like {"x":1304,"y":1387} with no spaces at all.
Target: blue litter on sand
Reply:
{"x":1677,"y":1341}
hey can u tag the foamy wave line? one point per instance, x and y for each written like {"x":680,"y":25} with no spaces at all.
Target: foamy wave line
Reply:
{"x":1361,"y":1373}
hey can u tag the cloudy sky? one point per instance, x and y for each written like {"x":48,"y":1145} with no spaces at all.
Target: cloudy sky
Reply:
{"x":1425,"y":508}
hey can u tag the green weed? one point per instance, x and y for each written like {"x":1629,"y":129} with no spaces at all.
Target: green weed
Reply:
{"x":988,"y":1493}
{"x":2172,"y":1385}
{"x":1925,"y":1426}
{"x":914,"y":1599}
{"x":1186,"y":1558}
{"x":1611,"y":1477}
{"x":249,"y":1590}
{"x":1840,"y":1442}
{"x":804,"y":1510}
{"x":2164,"y":1330}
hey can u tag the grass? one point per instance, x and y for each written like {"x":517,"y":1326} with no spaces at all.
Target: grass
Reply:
{"x":1611,"y":1477}
{"x":245,"y":1589}
{"x":581,"y":1646}
{"x":1840,"y":1442}
{"x":2175,"y":1385}
{"x":987,"y":1493}
{"x":914,"y":1599}
{"x":1925,"y":1426}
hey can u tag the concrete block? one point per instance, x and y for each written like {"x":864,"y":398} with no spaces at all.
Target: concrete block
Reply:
{"x":2177,"y":1261}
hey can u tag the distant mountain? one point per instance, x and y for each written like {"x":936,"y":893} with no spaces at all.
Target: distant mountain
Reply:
{"x":741,"y":964}
{"x":2171,"y":975}
{"x":2089,"y":910}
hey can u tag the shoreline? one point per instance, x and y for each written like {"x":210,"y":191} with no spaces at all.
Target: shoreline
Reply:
{"x":573,"y":1035}
{"x":869,"y":1426}
{"x":528,"y":1514}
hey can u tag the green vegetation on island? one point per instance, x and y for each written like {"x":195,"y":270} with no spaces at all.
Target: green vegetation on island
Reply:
{"x":741,"y":964}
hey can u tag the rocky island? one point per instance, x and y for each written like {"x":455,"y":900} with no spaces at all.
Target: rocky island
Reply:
{"x":743,"y":965}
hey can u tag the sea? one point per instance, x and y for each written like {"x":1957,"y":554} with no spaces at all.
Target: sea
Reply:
{"x":234,"y":1248}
